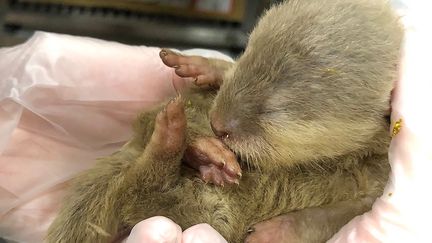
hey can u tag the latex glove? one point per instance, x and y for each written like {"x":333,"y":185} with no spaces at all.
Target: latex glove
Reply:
{"x":403,"y":213}
{"x":163,"y":230}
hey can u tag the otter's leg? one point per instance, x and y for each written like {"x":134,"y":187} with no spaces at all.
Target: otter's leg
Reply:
{"x":93,"y":213}
{"x":160,"y":161}
{"x":206,"y":72}
{"x":312,"y":225}
{"x":216,"y":163}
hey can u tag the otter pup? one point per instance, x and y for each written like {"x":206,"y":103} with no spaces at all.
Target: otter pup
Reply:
{"x":304,"y":110}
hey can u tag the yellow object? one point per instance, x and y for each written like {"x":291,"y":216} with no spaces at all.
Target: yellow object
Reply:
{"x":397,"y":127}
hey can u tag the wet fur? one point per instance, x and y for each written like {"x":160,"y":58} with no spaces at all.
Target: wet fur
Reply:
{"x":308,"y":101}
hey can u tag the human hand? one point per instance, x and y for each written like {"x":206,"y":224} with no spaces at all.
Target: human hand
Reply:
{"x":160,"y":229}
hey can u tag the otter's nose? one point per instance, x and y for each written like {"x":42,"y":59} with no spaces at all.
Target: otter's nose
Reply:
{"x":218,"y":127}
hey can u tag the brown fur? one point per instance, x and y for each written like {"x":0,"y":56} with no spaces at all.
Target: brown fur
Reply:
{"x":305,"y":105}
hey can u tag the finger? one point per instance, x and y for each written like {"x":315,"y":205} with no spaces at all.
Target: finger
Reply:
{"x":206,"y":151}
{"x":213,"y":153}
{"x":190,"y":70}
{"x":169,"y":57}
{"x":231,"y":167}
{"x":160,"y":124}
{"x":207,"y":79}
{"x":155,"y":229}
{"x":195,"y":158}
{"x":202,"y":233}
{"x":172,"y":59}
{"x":176,"y":113}
{"x":229,"y":179}
{"x":212,"y":174}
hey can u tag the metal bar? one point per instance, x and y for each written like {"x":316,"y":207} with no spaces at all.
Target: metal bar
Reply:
{"x":129,"y":29}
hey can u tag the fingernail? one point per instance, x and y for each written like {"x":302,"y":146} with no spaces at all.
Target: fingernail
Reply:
{"x":239,"y":174}
{"x":223,"y":163}
{"x":237,"y":182}
{"x":176,"y":67}
{"x":163,"y":53}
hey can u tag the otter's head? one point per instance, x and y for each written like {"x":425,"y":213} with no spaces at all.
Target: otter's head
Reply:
{"x":310,"y":85}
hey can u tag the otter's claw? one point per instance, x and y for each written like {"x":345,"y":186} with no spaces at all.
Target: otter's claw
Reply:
{"x":216,"y":163}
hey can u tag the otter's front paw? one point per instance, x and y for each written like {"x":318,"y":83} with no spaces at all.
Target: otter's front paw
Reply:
{"x":276,"y":230}
{"x":170,"y":129}
{"x":216,"y":163}
{"x":204,"y":72}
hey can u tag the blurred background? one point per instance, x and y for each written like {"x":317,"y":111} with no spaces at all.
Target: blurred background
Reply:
{"x":215,"y":24}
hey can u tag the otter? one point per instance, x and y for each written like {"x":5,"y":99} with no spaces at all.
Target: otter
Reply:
{"x":297,"y":129}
